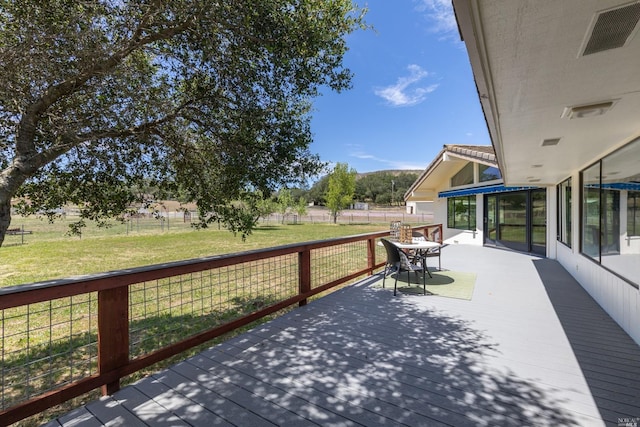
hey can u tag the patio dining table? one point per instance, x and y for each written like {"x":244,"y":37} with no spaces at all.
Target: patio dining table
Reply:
{"x":419,"y":248}
{"x":417,"y":245}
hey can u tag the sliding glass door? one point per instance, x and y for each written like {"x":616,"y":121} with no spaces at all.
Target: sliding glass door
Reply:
{"x":516,"y":220}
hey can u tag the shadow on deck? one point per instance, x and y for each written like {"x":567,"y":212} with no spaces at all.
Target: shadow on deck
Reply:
{"x":530,"y":348}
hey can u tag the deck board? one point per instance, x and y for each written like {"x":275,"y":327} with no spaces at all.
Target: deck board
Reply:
{"x":109,"y":411}
{"x":269,"y":411}
{"x":349,"y":402}
{"x":530,"y":348}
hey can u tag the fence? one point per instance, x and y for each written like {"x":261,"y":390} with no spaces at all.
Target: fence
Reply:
{"x":132,"y":224}
{"x":61,"y":339}
{"x":351,"y":217}
{"x":167,"y":220}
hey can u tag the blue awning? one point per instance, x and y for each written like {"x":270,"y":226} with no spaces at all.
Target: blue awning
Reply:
{"x":617,"y":186}
{"x":498,"y":188}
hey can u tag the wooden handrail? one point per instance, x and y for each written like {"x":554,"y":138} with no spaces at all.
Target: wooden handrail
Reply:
{"x":114,"y":360}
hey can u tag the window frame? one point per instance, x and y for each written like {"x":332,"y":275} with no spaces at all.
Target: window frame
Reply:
{"x":482,"y":166}
{"x":564,"y":192}
{"x":471,"y":210}
{"x":602,"y":201}
{"x":633,"y":217}
{"x":463,"y":171}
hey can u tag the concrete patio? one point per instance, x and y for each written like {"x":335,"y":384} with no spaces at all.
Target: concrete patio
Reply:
{"x":530,"y":348}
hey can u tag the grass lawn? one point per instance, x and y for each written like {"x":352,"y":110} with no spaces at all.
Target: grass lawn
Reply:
{"x":65,"y":330}
{"x":50,"y":254}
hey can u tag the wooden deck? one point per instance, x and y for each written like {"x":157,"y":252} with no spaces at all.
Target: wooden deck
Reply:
{"x":530,"y":348}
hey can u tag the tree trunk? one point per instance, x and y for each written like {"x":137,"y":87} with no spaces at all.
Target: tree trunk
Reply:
{"x":5,"y":217}
{"x":10,"y":180}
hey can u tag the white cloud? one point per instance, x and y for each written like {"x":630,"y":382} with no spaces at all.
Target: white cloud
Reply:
{"x":397,"y":165}
{"x":404,"y":93}
{"x":365,"y":156}
{"x":387,"y":163}
{"x":440,"y":14}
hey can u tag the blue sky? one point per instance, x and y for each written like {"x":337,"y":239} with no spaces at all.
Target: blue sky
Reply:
{"x":413,"y":91}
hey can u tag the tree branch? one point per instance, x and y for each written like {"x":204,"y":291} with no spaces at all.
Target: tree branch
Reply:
{"x":25,"y":140}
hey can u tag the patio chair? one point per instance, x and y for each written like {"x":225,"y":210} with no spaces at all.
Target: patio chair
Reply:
{"x":398,"y":260}
{"x":429,"y":253}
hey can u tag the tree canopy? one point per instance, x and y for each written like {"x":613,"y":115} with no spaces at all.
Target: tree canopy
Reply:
{"x":340,"y":189}
{"x":384,"y":187}
{"x":209,"y":99}
{"x":381,"y":187}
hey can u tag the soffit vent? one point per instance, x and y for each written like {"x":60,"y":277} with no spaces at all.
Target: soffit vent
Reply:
{"x":613,"y":28}
{"x":550,"y":142}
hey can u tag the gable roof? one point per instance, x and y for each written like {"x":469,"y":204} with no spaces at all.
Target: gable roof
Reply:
{"x":453,"y":154}
{"x":475,"y":153}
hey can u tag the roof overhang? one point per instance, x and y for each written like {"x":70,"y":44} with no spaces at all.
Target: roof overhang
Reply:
{"x":448,"y":161}
{"x":550,"y":108}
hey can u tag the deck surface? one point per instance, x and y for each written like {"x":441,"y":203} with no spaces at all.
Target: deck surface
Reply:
{"x":530,"y":348}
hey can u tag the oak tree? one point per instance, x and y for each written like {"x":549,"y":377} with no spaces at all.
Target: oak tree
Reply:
{"x":209,"y":99}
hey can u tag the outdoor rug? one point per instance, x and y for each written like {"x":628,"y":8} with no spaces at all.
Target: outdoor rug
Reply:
{"x":445,"y":283}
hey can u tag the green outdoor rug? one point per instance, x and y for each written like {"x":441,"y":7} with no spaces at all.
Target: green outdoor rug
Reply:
{"x":452,"y":284}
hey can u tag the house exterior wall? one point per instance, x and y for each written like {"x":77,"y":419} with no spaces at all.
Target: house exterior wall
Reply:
{"x":616,"y":296}
{"x":619,"y":299}
{"x":552,"y":222}
{"x":454,"y":236}
{"x":419,"y":207}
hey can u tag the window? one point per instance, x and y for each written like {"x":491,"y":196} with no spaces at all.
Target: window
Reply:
{"x":564,"y":212}
{"x":489,"y":173}
{"x":610,"y":229}
{"x":461,"y":212}
{"x":464,"y":176}
{"x":591,"y":211}
{"x":633,"y":213}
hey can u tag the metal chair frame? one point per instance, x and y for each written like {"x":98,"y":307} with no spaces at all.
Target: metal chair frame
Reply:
{"x":429,"y":253}
{"x":394,"y":259}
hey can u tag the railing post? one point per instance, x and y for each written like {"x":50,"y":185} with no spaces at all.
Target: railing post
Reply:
{"x":113,"y":333}
{"x":304,"y":273}
{"x":427,"y":232}
{"x":371,"y":254}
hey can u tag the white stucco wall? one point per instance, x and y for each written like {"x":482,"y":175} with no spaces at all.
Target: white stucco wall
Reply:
{"x":419,"y":207}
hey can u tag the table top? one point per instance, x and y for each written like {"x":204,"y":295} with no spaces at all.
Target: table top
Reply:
{"x":416,"y":244}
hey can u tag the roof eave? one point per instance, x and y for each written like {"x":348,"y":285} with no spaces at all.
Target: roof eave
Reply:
{"x":470,"y":27}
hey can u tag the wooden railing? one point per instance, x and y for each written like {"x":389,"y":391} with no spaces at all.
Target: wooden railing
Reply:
{"x":64,"y":338}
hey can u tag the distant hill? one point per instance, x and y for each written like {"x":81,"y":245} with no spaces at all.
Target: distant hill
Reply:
{"x":394,"y":172}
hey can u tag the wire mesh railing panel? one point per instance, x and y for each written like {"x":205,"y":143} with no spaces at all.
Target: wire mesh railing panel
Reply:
{"x":169,"y":310}
{"x":53,"y":344}
{"x":47,"y":345}
{"x":335,"y":262}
